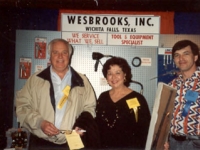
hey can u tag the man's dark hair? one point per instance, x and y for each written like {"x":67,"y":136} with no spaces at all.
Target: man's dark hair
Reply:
{"x":122,"y":63}
{"x":184,"y":43}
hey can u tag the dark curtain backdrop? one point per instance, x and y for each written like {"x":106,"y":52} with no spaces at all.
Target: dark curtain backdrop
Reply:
{"x":45,"y":19}
{"x":187,"y":23}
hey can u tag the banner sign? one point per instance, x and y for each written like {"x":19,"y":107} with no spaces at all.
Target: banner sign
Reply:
{"x":111,"y":29}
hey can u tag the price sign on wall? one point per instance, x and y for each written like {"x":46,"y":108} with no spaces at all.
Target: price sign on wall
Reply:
{"x":111,"y":29}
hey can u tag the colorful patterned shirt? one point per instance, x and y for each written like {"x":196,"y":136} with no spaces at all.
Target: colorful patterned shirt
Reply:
{"x":188,"y":124}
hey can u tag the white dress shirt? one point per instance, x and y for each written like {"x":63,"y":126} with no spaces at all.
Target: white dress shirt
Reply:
{"x":58,"y":86}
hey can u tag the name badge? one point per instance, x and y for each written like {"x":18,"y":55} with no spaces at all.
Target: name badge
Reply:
{"x":133,"y":103}
{"x":190,"y":96}
{"x":64,"y":98}
{"x":66,"y":90}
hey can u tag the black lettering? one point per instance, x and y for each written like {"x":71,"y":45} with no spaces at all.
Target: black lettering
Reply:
{"x":112,"y":21}
{"x":136,"y":21}
{"x":87,"y":28}
{"x":148,"y":21}
{"x":94,"y":29}
{"x":79,"y":20}
{"x":85,"y":20}
{"x":120,"y":21}
{"x":126,"y":21}
{"x":98,"y":20}
{"x":91,"y":20}
{"x":105,"y":20}
{"x":142,"y":21}
{"x":71,"y":19}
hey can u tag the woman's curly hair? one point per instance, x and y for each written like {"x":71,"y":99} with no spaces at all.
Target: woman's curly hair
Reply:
{"x":122,"y":63}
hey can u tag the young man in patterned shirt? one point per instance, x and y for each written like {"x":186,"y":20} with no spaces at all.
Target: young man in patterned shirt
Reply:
{"x":185,"y":123}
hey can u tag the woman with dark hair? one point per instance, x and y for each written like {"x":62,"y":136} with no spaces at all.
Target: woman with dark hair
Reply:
{"x":122,"y":114}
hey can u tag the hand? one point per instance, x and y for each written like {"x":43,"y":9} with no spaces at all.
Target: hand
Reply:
{"x":166,"y":146}
{"x":49,"y":129}
{"x":79,"y":131}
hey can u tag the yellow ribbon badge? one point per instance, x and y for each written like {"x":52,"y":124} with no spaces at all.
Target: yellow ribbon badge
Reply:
{"x":64,"y":98}
{"x":133,"y":103}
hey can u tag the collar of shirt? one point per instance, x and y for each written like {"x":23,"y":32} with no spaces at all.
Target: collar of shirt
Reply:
{"x":58,"y":84}
{"x":194,"y":75}
{"x":56,"y":79}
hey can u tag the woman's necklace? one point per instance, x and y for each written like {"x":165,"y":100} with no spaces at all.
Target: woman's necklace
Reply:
{"x":110,"y":124}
